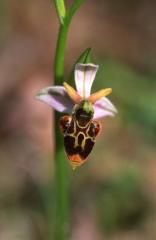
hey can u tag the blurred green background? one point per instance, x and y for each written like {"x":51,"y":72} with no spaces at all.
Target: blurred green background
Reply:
{"x":113,"y":195}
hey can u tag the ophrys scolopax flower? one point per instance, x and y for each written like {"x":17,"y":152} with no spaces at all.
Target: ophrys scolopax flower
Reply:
{"x":80,"y":127}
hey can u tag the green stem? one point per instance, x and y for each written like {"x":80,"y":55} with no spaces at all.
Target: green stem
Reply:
{"x":59,"y":56}
{"x":61,"y":169}
{"x":61,"y":175}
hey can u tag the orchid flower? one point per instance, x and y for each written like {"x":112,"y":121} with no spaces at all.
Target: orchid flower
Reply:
{"x":63,"y":98}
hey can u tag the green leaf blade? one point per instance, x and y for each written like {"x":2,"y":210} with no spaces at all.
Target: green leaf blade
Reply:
{"x":73,"y":8}
{"x":61,"y":10}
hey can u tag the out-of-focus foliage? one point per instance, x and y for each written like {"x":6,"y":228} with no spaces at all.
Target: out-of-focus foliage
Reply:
{"x":134,"y":91}
{"x":121,"y":202}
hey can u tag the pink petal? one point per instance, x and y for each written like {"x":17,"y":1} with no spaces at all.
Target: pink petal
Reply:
{"x":104,"y":108}
{"x":56,"y":97}
{"x":84,"y":77}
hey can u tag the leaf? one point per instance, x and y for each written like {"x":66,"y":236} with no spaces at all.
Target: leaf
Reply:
{"x":83,"y":58}
{"x":61,"y":11}
{"x":72,"y":9}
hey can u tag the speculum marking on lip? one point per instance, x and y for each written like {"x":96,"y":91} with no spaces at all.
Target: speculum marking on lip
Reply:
{"x":79,"y":138}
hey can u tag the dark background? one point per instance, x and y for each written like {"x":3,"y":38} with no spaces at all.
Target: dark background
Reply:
{"x":113,"y":195}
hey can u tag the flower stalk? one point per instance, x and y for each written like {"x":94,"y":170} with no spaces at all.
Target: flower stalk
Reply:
{"x":61,"y":176}
{"x":61,"y":170}
{"x":60,"y":54}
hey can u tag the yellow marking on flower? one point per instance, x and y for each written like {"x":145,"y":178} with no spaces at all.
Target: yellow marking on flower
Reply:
{"x":82,"y":126}
{"x":97,"y":95}
{"x":83,"y":143}
{"x":72,"y":93}
{"x":76,"y":142}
